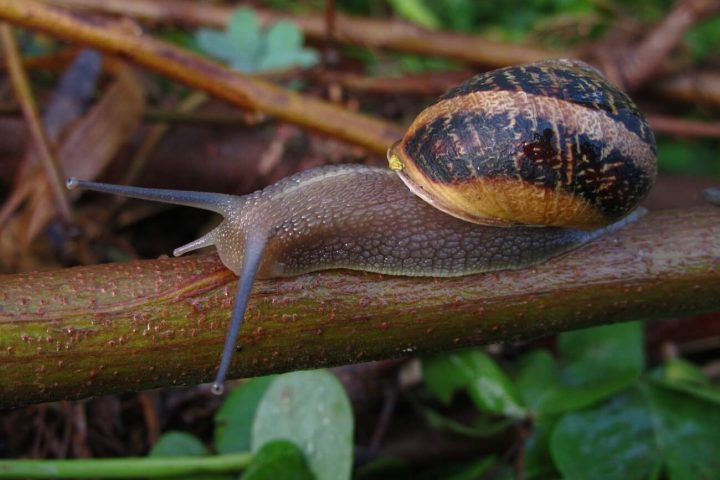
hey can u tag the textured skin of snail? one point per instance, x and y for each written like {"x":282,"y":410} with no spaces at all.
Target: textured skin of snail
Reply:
{"x":550,"y":143}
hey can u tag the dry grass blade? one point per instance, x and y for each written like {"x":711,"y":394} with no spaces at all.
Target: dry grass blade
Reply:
{"x":41,"y":143}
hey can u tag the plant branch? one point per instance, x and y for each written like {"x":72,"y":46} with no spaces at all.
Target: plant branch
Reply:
{"x":393,"y":35}
{"x":88,"y":331}
{"x":116,"y":38}
{"x":40,"y":140}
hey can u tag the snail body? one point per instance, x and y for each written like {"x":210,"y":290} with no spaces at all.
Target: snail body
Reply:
{"x":364,"y":218}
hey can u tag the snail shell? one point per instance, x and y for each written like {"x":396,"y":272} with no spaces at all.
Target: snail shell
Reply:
{"x":549,"y":143}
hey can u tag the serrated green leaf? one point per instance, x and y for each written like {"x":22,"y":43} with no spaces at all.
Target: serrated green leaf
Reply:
{"x":310,"y":409}
{"x":178,"y":444}
{"x":278,"y":459}
{"x":233,"y":420}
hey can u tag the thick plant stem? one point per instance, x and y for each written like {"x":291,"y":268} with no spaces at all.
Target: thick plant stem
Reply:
{"x":93,"y":330}
{"x":143,"y":467}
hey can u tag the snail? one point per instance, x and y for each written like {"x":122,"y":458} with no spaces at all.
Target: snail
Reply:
{"x":551,"y":144}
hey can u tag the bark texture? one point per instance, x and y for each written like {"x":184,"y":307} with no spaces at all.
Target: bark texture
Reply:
{"x":94,"y":330}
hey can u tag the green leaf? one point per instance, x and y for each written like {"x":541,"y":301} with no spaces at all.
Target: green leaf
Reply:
{"x":417,"y":12}
{"x":601,"y":353}
{"x":644,"y":430}
{"x":704,"y":39}
{"x":233,"y":420}
{"x":538,"y":461}
{"x":243,"y":31}
{"x":598,"y":362}
{"x":247,"y":48}
{"x":178,"y":444}
{"x":686,"y":377}
{"x":538,"y":378}
{"x":442,"y":377}
{"x":688,"y":431}
{"x":482,"y":428}
{"x":216,"y":44}
{"x":488,"y":386}
{"x":278,"y":459}
{"x":614,"y":440}
{"x":310,"y":409}
{"x":468,"y":471}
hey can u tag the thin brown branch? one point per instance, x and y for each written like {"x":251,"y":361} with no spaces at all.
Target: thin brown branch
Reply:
{"x":110,"y":328}
{"x":682,"y":127}
{"x":700,"y":88}
{"x":393,"y":35}
{"x":198,"y":72}
{"x":643,"y":62}
{"x":39,"y":137}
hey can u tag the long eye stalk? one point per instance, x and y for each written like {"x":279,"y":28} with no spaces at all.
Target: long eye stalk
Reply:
{"x":251,"y":261}
{"x":216,"y":202}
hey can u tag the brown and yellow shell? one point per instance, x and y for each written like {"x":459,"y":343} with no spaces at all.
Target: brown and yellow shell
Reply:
{"x":549,"y":143}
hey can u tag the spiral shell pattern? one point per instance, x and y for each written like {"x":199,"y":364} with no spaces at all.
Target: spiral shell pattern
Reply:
{"x":549,"y":143}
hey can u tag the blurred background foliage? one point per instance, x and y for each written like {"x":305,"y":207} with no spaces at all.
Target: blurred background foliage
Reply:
{"x":580,"y":382}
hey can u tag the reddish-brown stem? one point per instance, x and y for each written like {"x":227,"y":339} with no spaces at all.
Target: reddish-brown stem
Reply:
{"x":87,"y":331}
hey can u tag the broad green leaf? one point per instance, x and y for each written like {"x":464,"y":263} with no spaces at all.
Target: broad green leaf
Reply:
{"x":283,"y":36}
{"x":598,"y":362}
{"x":216,"y":43}
{"x":233,"y":420}
{"x":600,"y":353}
{"x":646,"y":430}
{"x":279,"y":459}
{"x":310,"y":409}
{"x":178,"y":444}
{"x":537,"y":379}
{"x":561,"y":398}
{"x":416,"y":11}
{"x":442,"y":377}
{"x":614,"y":440}
{"x":488,"y":386}
{"x":688,"y":431}
{"x":243,"y":30}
